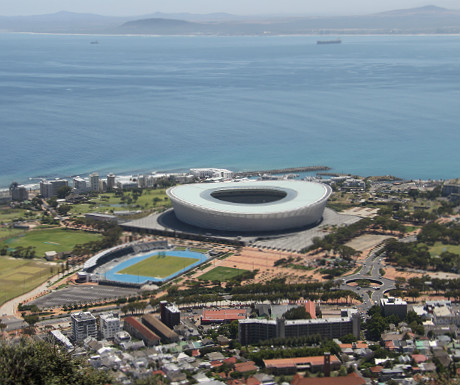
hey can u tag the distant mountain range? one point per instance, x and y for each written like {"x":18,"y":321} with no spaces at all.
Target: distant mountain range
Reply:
{"x":428,"y":20}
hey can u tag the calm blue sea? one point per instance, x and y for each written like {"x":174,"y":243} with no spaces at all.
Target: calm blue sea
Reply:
{"x":372,"y":105}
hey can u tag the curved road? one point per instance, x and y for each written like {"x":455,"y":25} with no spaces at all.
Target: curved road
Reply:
{"x":370,"y":270}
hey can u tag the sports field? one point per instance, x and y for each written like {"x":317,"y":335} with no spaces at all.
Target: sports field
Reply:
{"x":59,"y":240}
{"x":155,"y":267}
{"x":221,"y":273}
{"x":159,"y":266}
{"x":18,"y":276}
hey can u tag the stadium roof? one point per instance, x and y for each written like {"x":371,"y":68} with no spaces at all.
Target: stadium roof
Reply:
{"x":298,"y":194}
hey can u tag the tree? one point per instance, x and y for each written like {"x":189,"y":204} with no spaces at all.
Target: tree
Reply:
{"x":33,"y":361}
{"x":63,"y":191}
{"x":348,"y":338}
{"x":63,"y":209}
{"x":298,"y":312}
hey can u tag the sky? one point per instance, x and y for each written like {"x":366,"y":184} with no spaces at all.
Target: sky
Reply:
{"x":238,"y":7}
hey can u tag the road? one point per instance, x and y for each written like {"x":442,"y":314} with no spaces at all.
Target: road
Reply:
{"x":370,"y":271}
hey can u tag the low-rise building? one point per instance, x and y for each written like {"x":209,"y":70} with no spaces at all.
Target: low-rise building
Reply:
{"x":254,"y":330}
{"x":140,"y":331}
{"x":300,"y":364}
{"x":222,"y":315}
{"x":158,"y":327}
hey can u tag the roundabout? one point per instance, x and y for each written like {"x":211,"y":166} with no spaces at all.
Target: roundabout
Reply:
{"x":250,"y":206}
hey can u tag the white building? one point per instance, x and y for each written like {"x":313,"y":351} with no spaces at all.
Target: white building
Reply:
{"x":109,"y":325}
{"x":94,"y":181}
{"x":83,"y":325}
{"x":79,"y":185}
{"x":62,"y":339}
{"x":352,"y":183}
{"x":211,"y":173}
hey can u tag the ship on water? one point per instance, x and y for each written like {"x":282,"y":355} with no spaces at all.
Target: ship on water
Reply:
{"x":335,"y":41}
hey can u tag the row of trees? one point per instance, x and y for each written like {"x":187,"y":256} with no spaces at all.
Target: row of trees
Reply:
{"x":110,"y":237}
{"x":19,"y":252}
{"x":275,"y":291}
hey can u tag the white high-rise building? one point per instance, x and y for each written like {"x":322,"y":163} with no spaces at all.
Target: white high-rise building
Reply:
{"x":109,"y":325}
{"x":94,"y":181}
{"x":79,"y":184}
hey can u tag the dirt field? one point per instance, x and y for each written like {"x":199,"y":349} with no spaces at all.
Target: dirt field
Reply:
{"x":363,"y":212}
{"x":254,"y":259}
{"x":392,"y":273}
{"x":367,"y":241}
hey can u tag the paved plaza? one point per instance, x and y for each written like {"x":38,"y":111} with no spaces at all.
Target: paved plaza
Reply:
{"x":289,"y":241}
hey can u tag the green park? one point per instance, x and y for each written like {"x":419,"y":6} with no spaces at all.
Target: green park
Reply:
{"x":54,"y":239}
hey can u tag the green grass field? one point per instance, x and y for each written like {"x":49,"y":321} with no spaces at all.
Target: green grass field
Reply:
{"x":158,"y":266}
{"x":18,"y":276}
{"x":7,"y":214}
{"x":221,"y":274}
{"x":59,"y":240}
{"x":439,"y":247}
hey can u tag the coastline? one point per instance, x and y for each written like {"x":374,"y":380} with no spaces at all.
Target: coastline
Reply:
{"x":316,"y":35}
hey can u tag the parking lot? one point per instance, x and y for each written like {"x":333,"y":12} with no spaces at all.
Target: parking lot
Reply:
{"x":82,"y":295}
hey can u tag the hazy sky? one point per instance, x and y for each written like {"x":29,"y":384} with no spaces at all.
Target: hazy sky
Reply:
{"x":240,"y":7}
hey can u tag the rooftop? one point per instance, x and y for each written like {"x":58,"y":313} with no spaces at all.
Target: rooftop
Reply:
{"x":298,"y":194}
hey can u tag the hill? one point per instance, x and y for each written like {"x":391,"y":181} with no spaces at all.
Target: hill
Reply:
{"x":427,"y":20}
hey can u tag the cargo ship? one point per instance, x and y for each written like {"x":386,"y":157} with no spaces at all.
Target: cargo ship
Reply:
{"x":336,"y":41}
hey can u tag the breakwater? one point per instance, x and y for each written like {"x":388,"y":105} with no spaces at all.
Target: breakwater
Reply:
{"x":283,"y":170}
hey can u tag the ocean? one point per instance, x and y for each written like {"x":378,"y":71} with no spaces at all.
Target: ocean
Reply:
{"x":373,"y":105}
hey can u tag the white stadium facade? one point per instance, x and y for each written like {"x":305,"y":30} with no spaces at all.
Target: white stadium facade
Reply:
{"x":254,"y":206}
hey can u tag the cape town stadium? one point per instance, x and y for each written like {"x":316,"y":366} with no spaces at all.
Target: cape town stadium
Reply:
{"x":250,"y":206}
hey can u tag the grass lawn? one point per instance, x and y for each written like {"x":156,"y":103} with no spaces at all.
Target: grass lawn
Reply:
{"x":18,"y":276}
{"x":59,"y":240}
{"x":439,"y":247}
{"x":158,"y":266}
{"x":198,"y":250}
{"x":6,"y":233}
{"x":7,"y":214}
{"x":108,"y":202}
{"x":221,"y":273}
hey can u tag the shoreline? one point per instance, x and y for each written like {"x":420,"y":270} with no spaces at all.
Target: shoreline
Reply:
{"x":387,"y":34}
{"x":129,"y":174}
